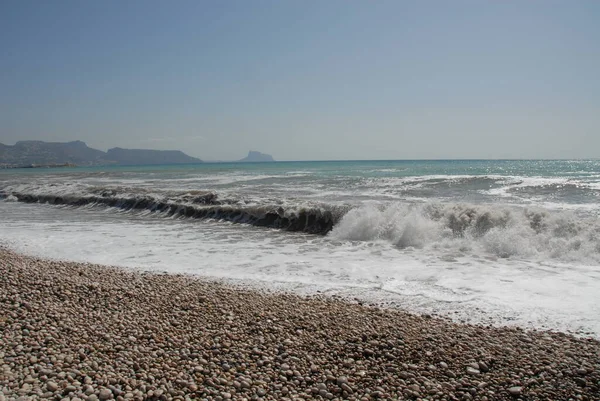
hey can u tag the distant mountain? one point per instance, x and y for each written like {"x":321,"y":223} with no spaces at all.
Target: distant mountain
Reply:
{"x":48,"y":153}
{"x":143,"y":156}
{"x":254,"y":156}
{"x":28,"y":153}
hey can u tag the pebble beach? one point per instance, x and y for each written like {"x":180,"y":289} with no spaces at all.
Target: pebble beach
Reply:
{"x":73,"y":331}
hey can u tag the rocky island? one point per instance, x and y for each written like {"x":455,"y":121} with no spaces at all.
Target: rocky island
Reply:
{"x":254,"y":156}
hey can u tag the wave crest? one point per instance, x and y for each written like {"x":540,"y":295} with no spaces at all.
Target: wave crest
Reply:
{"x":315,"y":219}
{"x":503,"y":231}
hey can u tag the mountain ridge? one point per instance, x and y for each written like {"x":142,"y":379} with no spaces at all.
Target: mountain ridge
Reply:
{"x":32,"y":153}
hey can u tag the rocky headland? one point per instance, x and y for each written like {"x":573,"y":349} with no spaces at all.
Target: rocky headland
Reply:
{"x":54,"y":154}
{"x":71,"y":331}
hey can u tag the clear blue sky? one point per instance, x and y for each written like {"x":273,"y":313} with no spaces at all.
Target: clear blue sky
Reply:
{"x":305,"y":79}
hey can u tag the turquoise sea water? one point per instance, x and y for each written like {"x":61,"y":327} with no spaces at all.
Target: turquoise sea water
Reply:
{"x":506,"y":241}
{"x":568,"y":181}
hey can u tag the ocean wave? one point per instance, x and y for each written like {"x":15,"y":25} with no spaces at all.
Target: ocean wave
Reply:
{"x":312,"y":219}
{"x":506,"y":231}
{"x":503,"y":231}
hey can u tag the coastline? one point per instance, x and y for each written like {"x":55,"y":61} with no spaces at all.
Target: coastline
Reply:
{"x":92,"y":332}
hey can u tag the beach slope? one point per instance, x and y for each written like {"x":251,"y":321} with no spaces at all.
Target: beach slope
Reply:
{"x":94,"y":332}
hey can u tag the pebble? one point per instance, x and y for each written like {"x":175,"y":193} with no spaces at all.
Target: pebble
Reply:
{"x":346,"y":388}
{"x":414,"y":388}
{"x":105,"y":394}
{"x":515,"y":391}
{"x":102,"y":333}
{"x":69,"y":389}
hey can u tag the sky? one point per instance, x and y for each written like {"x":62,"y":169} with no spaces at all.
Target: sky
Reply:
{"x":305,"y":79}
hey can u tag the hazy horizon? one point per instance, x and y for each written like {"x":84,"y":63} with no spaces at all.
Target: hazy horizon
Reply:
{"x":306,"y":80}
{"x":212,"y":160}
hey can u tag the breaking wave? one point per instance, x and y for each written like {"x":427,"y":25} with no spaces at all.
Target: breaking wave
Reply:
{"x":503,"y":231}
{"x":313,"y":219}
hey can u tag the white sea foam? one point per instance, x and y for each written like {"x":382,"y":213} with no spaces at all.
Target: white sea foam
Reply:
{"x":502,"y":231}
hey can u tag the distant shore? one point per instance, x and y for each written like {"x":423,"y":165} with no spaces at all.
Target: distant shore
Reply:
{"x":93,"y":332}
{"x":11,"y":166}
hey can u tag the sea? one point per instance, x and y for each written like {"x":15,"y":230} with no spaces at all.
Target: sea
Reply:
{"x":493,"y":242}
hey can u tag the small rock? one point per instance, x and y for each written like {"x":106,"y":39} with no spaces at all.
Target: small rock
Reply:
{"x":69,"y":389}
{"x":105,"y":394}
{"x":51,"y":386}
{"x":404,"y":375}
{"x":472,"y":371}
{"x":515,"y":391}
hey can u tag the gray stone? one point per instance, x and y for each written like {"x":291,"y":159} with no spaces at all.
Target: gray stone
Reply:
{"x":69,"y":389}
{"x":472,"y":371}
{"x":347,"y":388}
{"x":515,"y":391}
{"x":105,"y":394}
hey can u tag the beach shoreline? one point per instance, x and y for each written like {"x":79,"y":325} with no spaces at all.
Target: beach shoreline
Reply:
{"x":88,"y":332}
